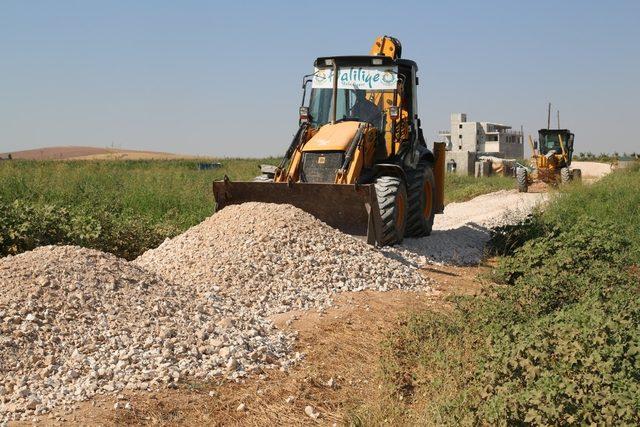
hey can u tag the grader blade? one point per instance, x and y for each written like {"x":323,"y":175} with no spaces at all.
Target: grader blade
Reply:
{"x":352,"y":209}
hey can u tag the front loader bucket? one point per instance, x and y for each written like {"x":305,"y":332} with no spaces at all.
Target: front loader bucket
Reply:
{"x":352,"y":209}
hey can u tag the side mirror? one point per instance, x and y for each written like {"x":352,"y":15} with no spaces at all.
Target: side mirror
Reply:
{"x":535,"y":144}
{"x":394,"y":112}
{"x":304,"y":114}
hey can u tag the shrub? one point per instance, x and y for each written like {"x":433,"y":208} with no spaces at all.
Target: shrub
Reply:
{"x":123,"y":207}
{"x":25,"y":225}
{"x":506,"y":239}
{"x":580,"y":364}
{"x":555,"y":340}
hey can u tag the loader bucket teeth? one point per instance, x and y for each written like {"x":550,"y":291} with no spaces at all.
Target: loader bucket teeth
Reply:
{"x":352,"y":209}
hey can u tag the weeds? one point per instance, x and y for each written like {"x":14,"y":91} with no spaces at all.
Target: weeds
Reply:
{"x":123,"y":207}
{"x":554,"y":341}
{"x":126,"y":207}
{"x":461,"y":188}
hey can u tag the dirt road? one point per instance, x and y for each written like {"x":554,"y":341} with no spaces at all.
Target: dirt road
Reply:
{"x":460,"y":234}
{"x":592,"y":171}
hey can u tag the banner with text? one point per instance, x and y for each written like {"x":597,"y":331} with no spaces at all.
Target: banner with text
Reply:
{"x":366,"y":78}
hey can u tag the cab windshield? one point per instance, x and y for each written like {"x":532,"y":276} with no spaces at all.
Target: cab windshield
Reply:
{"x":551,"y":141}
{"x":363,"y":93}
{"x":352,"y":104}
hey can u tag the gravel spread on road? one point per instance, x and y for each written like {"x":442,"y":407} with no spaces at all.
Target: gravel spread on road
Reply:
{"x":459,"y":235}
{"x":592,"y":171}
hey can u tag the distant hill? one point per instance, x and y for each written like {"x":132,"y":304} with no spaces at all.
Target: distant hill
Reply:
{"x":89,"y":153}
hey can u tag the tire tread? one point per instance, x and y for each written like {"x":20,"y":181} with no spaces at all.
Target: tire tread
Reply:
{"x":387,"y":187}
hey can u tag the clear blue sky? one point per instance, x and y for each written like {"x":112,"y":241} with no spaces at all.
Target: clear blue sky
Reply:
{"x":203,"y":77}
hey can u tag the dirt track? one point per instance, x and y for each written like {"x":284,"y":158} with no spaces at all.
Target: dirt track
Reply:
{"x":460,"y":234}
{"x":592,"y":171}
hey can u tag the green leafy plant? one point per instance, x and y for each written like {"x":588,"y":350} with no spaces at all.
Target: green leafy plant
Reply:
{"x":555,"y":340}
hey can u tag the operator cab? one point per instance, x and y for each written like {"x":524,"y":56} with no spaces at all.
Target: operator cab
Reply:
{"x":549,"y":141}
{"x":370,"y":89}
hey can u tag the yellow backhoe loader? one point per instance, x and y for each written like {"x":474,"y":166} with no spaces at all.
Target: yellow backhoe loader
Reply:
{"x":359,"y":161}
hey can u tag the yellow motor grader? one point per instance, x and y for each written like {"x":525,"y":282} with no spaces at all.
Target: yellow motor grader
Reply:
{"x":358,"y":161}
{"x":551,"y":158}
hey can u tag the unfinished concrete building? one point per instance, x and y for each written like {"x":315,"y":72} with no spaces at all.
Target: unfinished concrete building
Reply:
{"x":467,"y":141}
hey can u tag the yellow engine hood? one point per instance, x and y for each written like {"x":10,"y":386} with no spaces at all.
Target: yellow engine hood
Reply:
{"x":336,"y":137}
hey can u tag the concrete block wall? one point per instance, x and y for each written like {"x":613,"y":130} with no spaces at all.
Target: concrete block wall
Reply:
{"x":512,"y":150}
{"x":465,"y":161}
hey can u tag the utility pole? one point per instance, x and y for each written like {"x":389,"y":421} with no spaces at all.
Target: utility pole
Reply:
{"x":549,"y":116}
{"x":558,"y":119}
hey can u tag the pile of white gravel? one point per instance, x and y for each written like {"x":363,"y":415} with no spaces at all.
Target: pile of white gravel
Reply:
{"x":275,"y":258}
{"x":76,"y":322}
{"x":460,"y":235}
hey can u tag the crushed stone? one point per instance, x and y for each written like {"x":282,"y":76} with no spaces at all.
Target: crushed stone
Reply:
{"x":77,"y":322}
{"x":460,"y":235}
{"x":275,"y":258}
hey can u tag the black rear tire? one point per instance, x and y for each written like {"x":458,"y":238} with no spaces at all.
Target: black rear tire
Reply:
{"x":576,"y":175}
{"x":522,"y":179}
{"x":392,"y":201}
{"x":565,"y":175}
{"x":421,"y":185}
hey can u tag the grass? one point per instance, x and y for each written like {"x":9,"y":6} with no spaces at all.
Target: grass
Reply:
{"x":554,"y":340}
{"x":461,"y":188}
{"x":127,"y":207}
{"x":123,"y":207}
{"x":173,"y":191}
{"x":615,"y":199}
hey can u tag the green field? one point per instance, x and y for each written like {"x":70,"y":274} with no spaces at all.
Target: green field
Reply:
{"x":552,"y":340}
{"x":172,"y":191}
{"x":127,"y":207}
{"x":460,"y":188}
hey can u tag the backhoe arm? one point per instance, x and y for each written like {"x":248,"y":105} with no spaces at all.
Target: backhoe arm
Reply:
{"x":387,"y":46}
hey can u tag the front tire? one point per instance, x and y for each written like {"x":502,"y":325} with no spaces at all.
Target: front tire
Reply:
{"x":392,"y":201}
{"x":421,"y":193}
{"x":522,"y":179}
{"x":565,"y":175}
